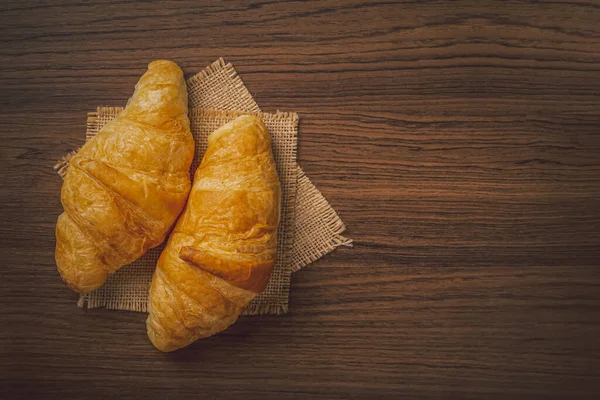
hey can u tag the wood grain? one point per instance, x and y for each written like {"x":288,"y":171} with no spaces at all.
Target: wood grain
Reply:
{"x":459,"y":141}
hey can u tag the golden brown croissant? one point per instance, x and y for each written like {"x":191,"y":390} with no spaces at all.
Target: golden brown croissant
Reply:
{"x":223,"y":248}
{"x":126,"y":186}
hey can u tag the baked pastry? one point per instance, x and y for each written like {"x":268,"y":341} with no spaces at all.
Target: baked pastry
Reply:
{"x":126,"y":187}
{"x":223,"y":248}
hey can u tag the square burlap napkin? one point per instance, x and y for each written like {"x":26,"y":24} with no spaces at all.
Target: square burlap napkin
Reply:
{"x":315,"y":231}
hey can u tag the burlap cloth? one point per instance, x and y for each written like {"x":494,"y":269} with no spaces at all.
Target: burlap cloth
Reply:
{"x":309,"y":228}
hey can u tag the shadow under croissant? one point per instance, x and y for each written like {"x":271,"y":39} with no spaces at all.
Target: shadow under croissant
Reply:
{"x":244,"y":332}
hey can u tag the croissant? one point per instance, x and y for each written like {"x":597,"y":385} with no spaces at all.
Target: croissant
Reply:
{"x":223,"y":248}
{"x":126,"y":187}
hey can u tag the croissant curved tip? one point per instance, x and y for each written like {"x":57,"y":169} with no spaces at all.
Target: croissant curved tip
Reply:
{"x":157,"y":63}
{"x":161,"y":343}
{"x":79,"y":281}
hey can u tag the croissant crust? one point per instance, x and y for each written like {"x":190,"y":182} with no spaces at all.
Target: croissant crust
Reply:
{"x":126,"y":187}
{"x":223,"y":247}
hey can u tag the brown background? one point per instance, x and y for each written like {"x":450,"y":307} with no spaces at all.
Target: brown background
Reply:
{"x":459,"y":141}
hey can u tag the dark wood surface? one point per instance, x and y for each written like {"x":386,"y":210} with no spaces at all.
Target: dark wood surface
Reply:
{"x":459,"y":141}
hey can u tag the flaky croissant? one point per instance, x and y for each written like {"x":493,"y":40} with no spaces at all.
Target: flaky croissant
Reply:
{"x":126,"y":187}
{"x":223,"y":248}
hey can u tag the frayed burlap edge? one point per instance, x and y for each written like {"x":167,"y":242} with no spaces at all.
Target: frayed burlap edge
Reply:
{"x":131,"y":305}
{"x":327,"y":216}
{"x":62,"y":164}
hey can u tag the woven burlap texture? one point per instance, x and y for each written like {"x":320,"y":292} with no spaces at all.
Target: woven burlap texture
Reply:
{"x":316,"y":229}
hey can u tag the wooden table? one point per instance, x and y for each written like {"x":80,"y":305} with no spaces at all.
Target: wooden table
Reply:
{"x":459,"y":141}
